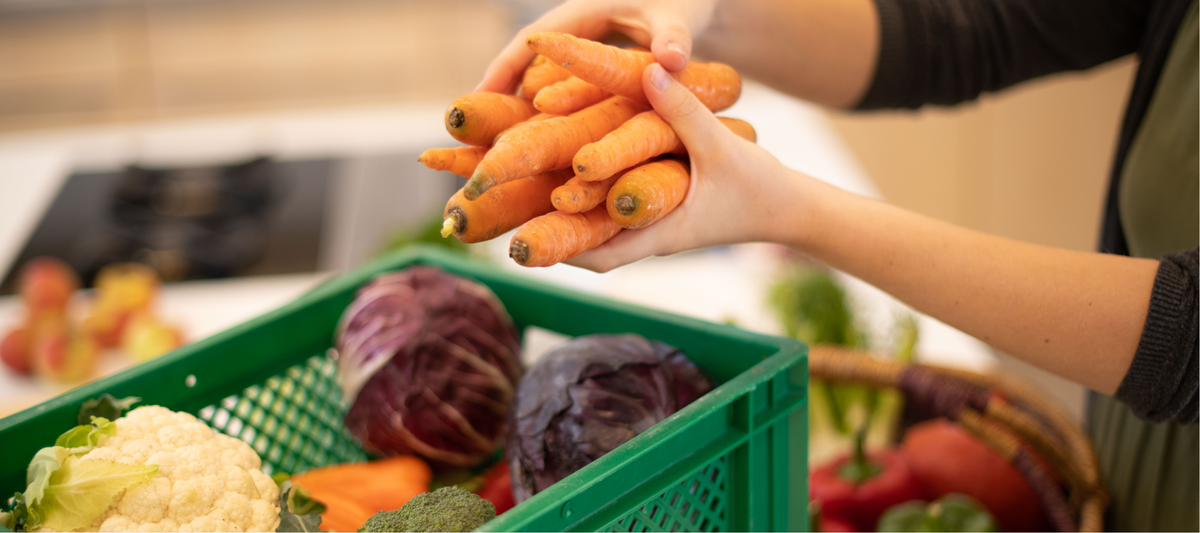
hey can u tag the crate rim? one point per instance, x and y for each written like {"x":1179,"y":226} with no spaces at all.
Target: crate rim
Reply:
{"x":415,"y":254}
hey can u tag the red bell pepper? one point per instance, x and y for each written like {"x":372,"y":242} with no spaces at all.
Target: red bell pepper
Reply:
{"x":497,"y":487}
{"x":859,"y":488}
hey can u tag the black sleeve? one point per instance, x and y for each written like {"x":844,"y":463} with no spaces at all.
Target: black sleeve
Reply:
{"x":949,"y":51}
{"x":1162,"y":381}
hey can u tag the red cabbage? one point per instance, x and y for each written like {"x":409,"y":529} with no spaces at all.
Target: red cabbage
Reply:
{"x":589,"y":396}
{"x":428,"y":362}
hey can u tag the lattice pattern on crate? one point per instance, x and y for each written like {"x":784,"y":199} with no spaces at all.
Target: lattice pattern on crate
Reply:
{"x":697,"y":503}
{"x":293,"y":420}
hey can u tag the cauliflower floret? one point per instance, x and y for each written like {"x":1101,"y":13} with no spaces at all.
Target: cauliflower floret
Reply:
{"x":206,"y":481}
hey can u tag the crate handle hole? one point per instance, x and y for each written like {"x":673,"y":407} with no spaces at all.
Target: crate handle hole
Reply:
{"x":190,"y":381}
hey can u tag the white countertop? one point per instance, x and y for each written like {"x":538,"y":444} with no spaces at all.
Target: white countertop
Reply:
{"x":719,"y":284}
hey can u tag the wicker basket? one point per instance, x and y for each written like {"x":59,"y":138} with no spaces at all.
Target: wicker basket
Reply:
{"x":1012,"y":423}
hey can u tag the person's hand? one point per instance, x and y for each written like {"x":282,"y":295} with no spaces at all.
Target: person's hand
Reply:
{"x":739,"y":192}
{"x":665,"y":27}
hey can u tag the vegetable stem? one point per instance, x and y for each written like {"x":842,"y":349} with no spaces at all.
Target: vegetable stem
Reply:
{"x":449,"y":225}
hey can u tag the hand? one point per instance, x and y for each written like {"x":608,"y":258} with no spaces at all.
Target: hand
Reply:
{"x":666,"y":27}
{"x":739,"y":192}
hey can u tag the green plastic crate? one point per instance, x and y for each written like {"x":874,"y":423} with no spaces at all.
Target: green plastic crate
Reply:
{"x":732,"y":461}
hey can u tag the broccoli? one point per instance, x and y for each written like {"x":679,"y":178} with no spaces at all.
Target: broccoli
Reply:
{"x":445,"y":509}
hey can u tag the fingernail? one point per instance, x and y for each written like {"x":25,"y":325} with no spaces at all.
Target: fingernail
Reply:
{"x":675,"y":48}
{"x":659,"y":78}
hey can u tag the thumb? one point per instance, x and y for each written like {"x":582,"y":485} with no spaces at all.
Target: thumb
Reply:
{"x":696,"y":126}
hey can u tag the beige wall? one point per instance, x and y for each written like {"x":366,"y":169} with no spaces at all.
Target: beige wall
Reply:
{"x":134,"y":61}
{"x":1030,"y":163}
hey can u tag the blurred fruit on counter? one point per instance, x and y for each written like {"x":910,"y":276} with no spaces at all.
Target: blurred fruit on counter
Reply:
{"x":49,"y":345}
{"x":147,"y":336}
{"x":122,"y":290}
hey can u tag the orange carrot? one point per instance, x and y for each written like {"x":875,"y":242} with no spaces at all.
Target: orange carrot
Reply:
{"x":477,"y":118}
{"x":547,"y":145}
{"x":352,"y":492}
{"x":501,"y":208}
{"x":578,"y":195}
{"x":620,"y":71}
{"x":460,"y":160}
{"x":640,"y":138}
{"x":647,"y":193}
{"x":541,"y":73}
{"x":558,"y":236}
{"x":568,"y":96}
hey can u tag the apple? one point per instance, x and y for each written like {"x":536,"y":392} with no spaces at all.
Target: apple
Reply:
{"x":146,"y":337}
{"x":65,"y":356}
{"x":122,"y":290}
{"x":14,"y":351}
{"x":46,"y":285}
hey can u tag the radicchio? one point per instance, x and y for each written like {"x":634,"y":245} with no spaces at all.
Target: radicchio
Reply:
{"x":429,"y":363}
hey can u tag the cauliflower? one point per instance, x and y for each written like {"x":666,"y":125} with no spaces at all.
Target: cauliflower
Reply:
{"x":206,"y":481}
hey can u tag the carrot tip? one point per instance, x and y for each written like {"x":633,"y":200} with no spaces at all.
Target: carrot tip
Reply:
{"x":519,"y":252}
{"x":626,"y":204}
{"x":580,"y":169}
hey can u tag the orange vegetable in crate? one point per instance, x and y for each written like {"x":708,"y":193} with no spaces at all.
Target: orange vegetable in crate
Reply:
{"x":460,"y":160}
{"x":546,"y":145}
{"x":558,"y":236}
{"x":477,"y":118}
{"x":945,"y":459}
{"x":352,"y":492}
{"x":644,"y":136}
{"x":647,"y":193}
{"x":501,"y":208}
{"x":620,"y":71}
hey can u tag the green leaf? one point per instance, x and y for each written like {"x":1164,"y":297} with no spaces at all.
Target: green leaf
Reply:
{"x":106,"y":406}
{"x":15,"y":519}
{"x":82,"y":439}
{"x":37,"y":476}
{"x":83,"y":489}
{"x":297,"y":510}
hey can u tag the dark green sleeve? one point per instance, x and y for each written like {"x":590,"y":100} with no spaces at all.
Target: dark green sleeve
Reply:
{"x":949,"y":51}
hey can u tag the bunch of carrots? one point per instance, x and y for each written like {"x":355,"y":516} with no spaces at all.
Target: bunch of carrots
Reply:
{"x":578,"y":156}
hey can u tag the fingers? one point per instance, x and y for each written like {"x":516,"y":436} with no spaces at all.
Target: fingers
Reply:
{"x":672,"y":46}
{"x":627,"y":247}
{"x":696,"y":126}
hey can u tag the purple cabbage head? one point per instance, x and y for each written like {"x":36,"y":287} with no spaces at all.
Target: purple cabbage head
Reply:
{"x":589,"y":396}
{"x":429,"y":363}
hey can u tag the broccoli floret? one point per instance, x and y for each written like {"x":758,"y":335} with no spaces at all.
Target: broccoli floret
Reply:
{"x":445,"y":509}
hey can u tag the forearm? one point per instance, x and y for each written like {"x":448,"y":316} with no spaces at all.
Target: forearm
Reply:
{"x":819,"y":50}
{"x":1079,"y":315}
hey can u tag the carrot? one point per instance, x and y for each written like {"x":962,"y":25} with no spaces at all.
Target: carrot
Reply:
{"x":579,"y":195}
{"x":477,"y":118}
{"x":460,"y":160}
{"x":558,"y":236}
{"x":501,"y":208}
{"x":546,"y":145}
{"x":642,"y":137}
{"x":568,"y":96}
{"x":541,"y":73}
{"x":647,"y":193}
{"x":352,"y":492}
{"x":620,"y":71}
